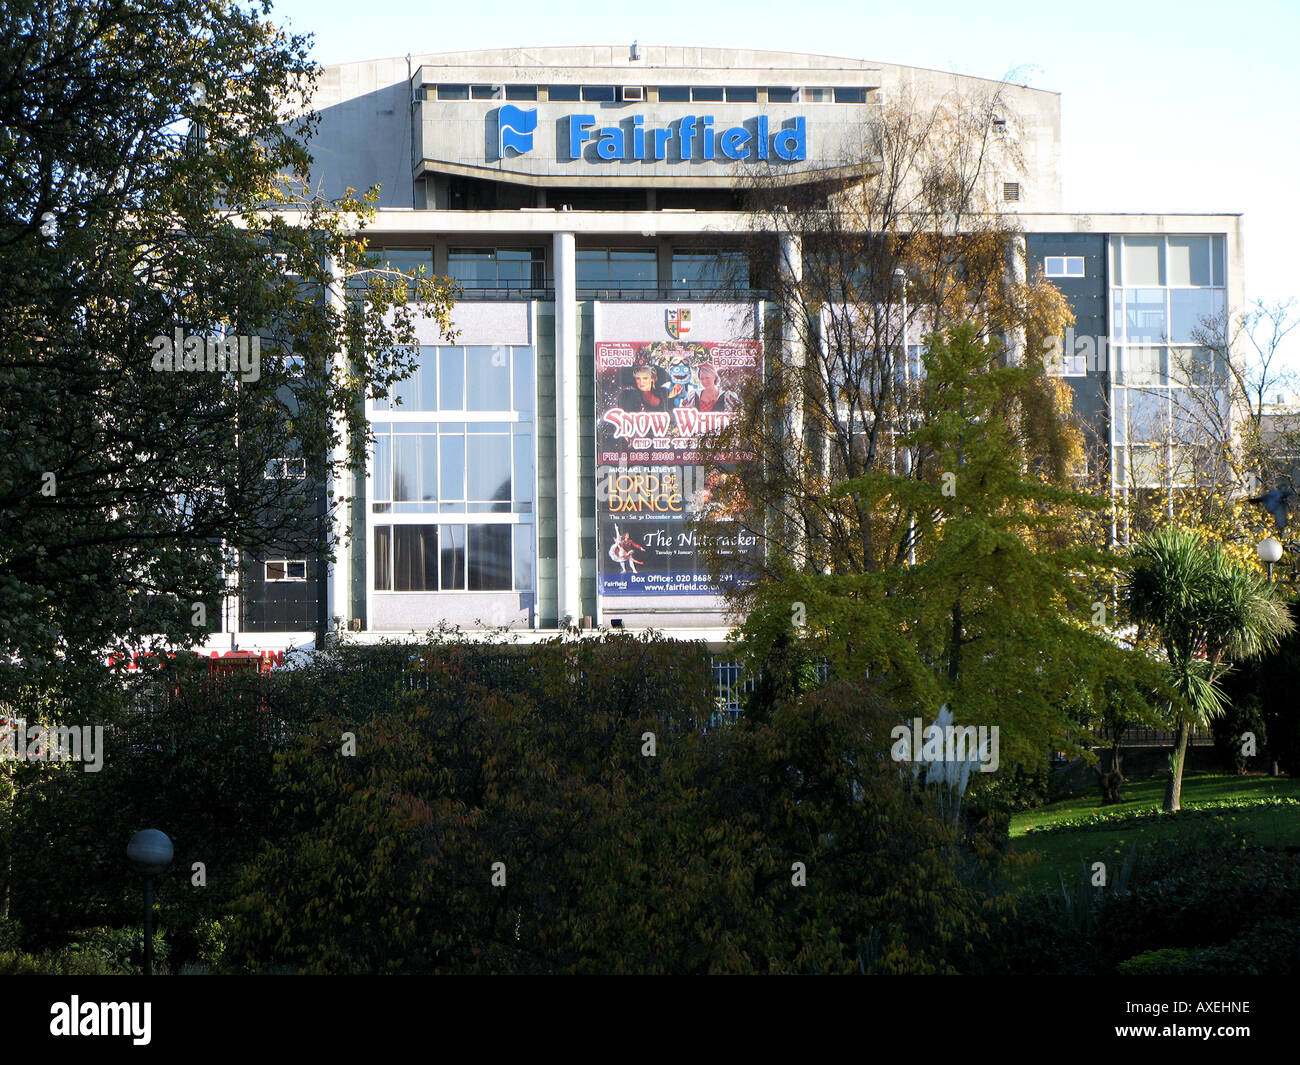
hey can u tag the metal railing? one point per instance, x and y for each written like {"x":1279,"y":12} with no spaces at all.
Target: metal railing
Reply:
{"x":546,"y":293}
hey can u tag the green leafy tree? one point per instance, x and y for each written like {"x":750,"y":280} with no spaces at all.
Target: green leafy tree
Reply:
{"x":1207,"y":610}
{"x":1003,"y":615}
{"x":154,"y":183}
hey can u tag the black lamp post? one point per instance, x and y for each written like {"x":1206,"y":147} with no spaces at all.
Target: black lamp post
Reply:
{"x":150,"y":853}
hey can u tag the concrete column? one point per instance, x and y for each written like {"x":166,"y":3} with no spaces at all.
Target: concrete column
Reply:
{"x":339,"y":583}
{"x":568,"y":518}
{"x":1017,"y":266}
{"x":795,"y":356}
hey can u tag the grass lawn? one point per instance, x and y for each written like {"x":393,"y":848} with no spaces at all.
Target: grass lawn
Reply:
{"x":1050,"y":855}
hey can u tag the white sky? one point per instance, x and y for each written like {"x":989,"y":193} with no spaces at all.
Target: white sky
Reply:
{"x":1166,"y":106}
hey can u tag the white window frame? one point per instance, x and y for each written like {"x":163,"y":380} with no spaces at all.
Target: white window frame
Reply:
{"x":1062,"y":264}
{"x":279,"y":469}
{"x":507,"y":418}
{"x":286,"y":563}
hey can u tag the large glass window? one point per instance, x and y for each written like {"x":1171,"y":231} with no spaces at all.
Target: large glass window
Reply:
{"x":453,"y":558}
{"x":1193,"y":312}
{"x":452,"y":467}
{"x":476,"y":377}
{"x":1144,"y":315}
{"x":493,"y":268}
{"x":1167,"y":293}
{"x":417,"y":261}
{"x":617,"y":268}
{"x":452,"y":473}
{"x":708,"y":271}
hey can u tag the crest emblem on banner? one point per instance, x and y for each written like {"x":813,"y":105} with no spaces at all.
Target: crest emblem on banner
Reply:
{"x":678,"y":322}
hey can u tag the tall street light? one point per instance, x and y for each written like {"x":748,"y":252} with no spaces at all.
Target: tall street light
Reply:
{"x":150,"y":853}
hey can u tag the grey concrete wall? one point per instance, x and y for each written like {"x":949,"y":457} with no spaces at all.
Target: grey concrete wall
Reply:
{"x":369,"y":133}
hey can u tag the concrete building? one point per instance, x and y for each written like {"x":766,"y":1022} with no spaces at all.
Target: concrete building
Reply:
{"x":587,"y":200}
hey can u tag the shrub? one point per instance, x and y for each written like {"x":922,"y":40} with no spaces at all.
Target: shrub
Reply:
{"x":120,"y":949}
{"x":11,"y":933}
{"x":55,"y":963}
{"x":1168,"y":961}
{"x":1014,"y":789}
{"x":613,"y":860}
{"x":1241,"y":716}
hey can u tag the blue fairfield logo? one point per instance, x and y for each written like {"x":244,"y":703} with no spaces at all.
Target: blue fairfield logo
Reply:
{"x":515,"y":129}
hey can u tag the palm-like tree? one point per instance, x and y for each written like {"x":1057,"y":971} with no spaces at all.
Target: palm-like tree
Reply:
{"x":1209,"y":611}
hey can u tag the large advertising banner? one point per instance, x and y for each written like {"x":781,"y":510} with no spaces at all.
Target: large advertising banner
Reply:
{"x":658,"y":403}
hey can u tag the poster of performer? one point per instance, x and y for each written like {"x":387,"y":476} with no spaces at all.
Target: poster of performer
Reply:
{"x":658,"y":404}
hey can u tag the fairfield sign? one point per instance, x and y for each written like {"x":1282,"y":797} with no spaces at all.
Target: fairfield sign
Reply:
{"x":691,"y":137}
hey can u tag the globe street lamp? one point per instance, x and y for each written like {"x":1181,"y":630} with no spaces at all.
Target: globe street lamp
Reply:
{"x":1269,"y":551}
{"x":150,"y":853}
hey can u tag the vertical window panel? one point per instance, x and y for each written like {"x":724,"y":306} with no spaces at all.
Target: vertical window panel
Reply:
{"x":428,"y":387}
{"x":489,"y":467}
{"x":523,"y":538}
{"x":1143,"y":261}
{"x":415,"y":558}
{"x":406,"y":468}
{"x":453,"y":557}
{"x":525,"y":387}
{"x":383,"y":571}
{"x":428,"y":467}
{"x":487,"y":378}
{"x":1187,"y":260}
{"x":451,"y":379}
{"x":451,"y":485}
{"x":522,"y":483}
{"x":1217,"y":269}
{"x":382,"y":490}
{"x":491,"y":563}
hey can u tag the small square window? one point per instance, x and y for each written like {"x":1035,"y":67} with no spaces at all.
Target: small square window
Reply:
{"x":286,"y":570}
{"x":1063,"y":266}
{"x":1011,"y":191}
{"x":290,"y":469}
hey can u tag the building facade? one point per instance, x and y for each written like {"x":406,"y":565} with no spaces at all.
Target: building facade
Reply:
{"x":588,"y":201}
